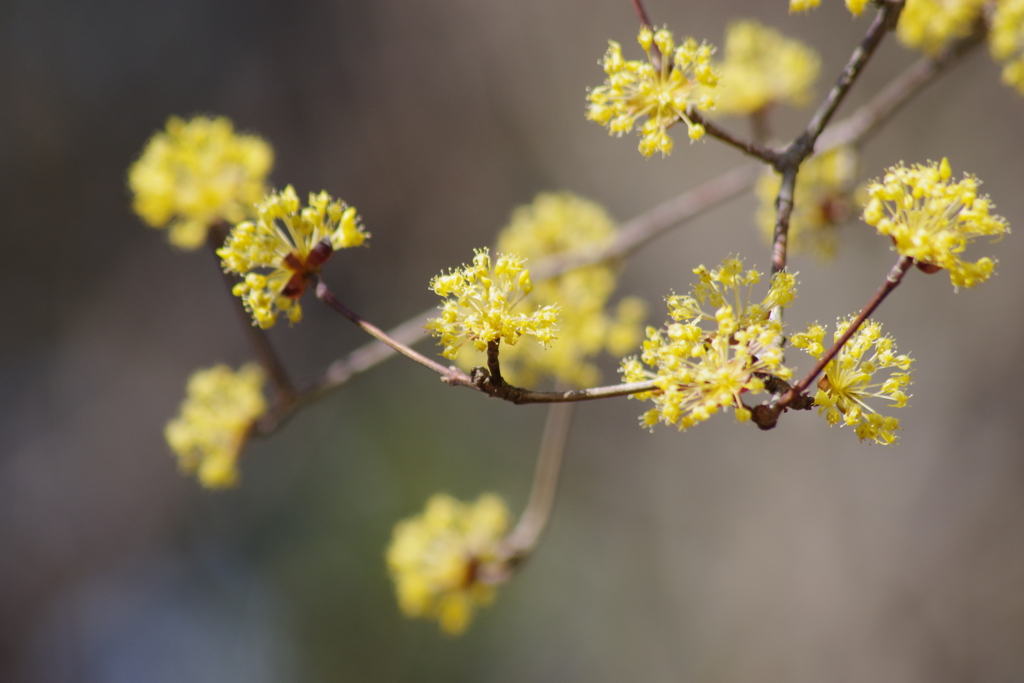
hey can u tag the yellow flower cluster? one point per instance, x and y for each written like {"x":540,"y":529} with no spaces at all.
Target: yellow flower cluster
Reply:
{"x":698,"y":370}
{"x":219,"y":409}
{"x":932,"y":219}
{"x":1006,"y":41}
{"x":291,"y":242}
{"x":822,"y":201}
{"x":930,"y":25}
{"x":558,"y":223}
{"x":847,"y":382}
{"x":856,"y":7}
{"x":762,"y":67}
{"x":197,"y":173}
{"x":434,"y":558}
{"x":480,"y":305}
{"x":634,"y":89}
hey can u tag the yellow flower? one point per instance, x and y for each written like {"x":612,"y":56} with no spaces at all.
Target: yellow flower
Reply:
{"x":434,"y":558}
{"x":697,"y":370}
{"x":196,"y":174}
{"x":480,"y":305}
{"x":1006,"y":41}
{"x":802,"y":5}
{"x":822,"y":201}
{"x":930,"y":25}
{"x":932,"y":219}
{"x":762,"y":67}
{"x":219,"y":409}
{"x":856,"y":7}
{"x":291,"y":242}
{"x":847,"y":382}
{"x":634,"y":89}
{"x":557,"y":223}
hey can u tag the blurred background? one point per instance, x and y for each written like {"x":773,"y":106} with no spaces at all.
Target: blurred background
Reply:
{"x":722,"y":554}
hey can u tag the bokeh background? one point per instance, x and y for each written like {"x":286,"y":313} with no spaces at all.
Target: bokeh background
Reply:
{"x":722,"y":554}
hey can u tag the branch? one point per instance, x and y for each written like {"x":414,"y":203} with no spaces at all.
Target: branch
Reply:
{"x":490,"y":383}
{"x":641,"y":13}
{"x":523,"y":539}
{"x":884,"y":21}
{"x":638,"y":232}
{"x":646,"y":227}
{"x":864,"y":122}
{"x":766,"y":416}
{"x":768,"y":156}
{"x":450,"y":375}
{"x":783,"y":210}
{"x":788,"y":162}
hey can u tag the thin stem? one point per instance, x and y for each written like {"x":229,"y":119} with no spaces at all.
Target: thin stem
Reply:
{"x":768,"y":156}
{"x":788,"y":162}
{"x":451,"y":375}
{"x":637,"y":232}
{"x":783,"y":211}
{"x":493,"y":366}
{"x":641,"y":13}
{"x":268,"y":360}
{"x":494,"y":386}
{"x":523,"y":396}
{"x":650,"y":225}
{"x":521,"y":541}
{"x":884,"y":21}
{"x":863,"y":123}
{"x":892,"y":280}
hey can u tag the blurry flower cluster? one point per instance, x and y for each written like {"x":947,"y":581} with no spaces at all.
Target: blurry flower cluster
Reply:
{"x":478,"y":303}
{"x":705,"y":360}
{"x":1006,"y":41}
{"x":932,"y":219}
{"x":848,"y":380}
{"x":762,"y":67}
{"x":554,"y":224}
{"x":198,"y":173}
{"x":216,"y":416}
{"x":661,"y":89}
{"x":290,"y":242}
{"x":856,"y":7}
{"x":434,"y":558}
{"x":822,"y":201}
{"x":930,"y":25}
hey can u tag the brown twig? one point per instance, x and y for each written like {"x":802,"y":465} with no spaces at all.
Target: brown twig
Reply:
{"x":768,"y":415}
{"x":646,"y":227}
{"x":450,"y":375}
{"x":863,"y":123}
{"x":884,"y":21}
{"x":641,"y":13}
{"x":638,"y":232}
{"x":787,"y":163}
{"x":480,"y":379}
{"x":768,"y":156}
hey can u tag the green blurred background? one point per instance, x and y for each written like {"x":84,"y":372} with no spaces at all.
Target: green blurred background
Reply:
{"x":722,"y":554}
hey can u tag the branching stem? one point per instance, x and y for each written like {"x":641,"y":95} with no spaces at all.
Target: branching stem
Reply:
{"x":768,"y":156}
{"x":787,"y":163}
{"x":765,"y":416}
{"x":481,"y":379}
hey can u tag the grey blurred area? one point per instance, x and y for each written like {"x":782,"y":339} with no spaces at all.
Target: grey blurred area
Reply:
{"x":721,"y":554}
